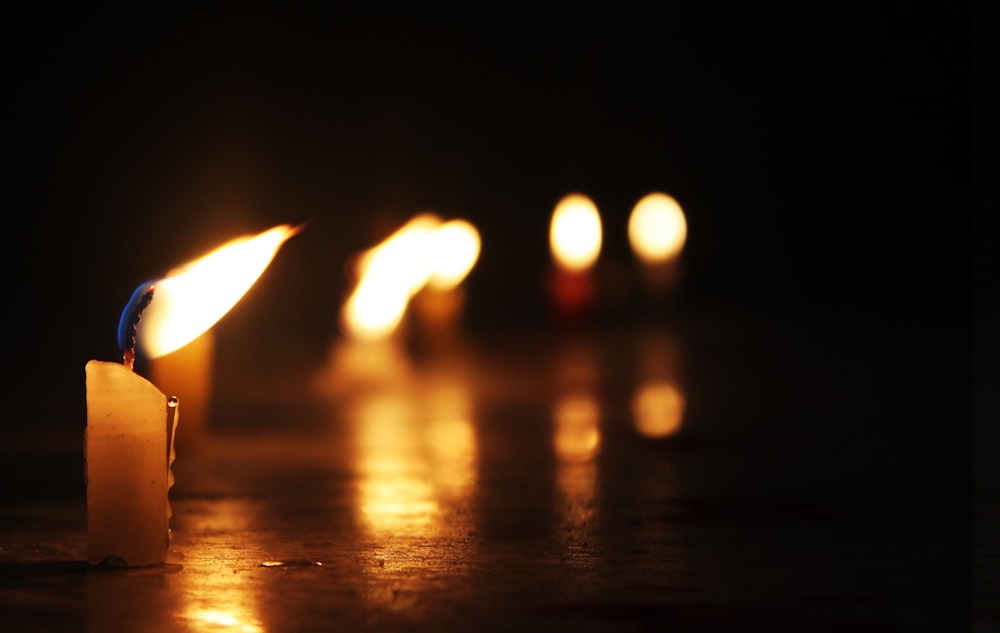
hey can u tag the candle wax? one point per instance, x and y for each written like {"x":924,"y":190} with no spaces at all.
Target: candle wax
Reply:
{"x":129,"y":452}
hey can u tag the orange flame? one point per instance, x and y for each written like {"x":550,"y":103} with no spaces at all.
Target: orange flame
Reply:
{"x":194,"y":296}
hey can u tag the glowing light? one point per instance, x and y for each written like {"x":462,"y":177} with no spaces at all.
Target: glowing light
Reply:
{"x":454,"y":250}
{"x":217,"y":620}
{"x":577,"y":437}
{"x":394,"y":495}
{"x":657,"y":228}
{"x":404,"y":255}
{"x":193,"y":297}
{"x":658,"y":409}
{"x":390,"y":273}
{"x":575,"y":234}
{"x":423,"y":252}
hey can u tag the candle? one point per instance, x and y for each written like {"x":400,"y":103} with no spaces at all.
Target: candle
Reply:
{"x":422,"y":263}
{"x":130,"y":427}
{"x":575,"y":237}
{"x":129,"y":439}
{"x":657,"y":230}
{"x":453,"y":249}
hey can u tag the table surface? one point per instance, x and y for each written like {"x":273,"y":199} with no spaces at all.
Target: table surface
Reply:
{"x":505,"y":482}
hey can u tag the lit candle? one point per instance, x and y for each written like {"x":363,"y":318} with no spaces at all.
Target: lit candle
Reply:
{"x":130,"y":427}
{"x":130,"y":423}
{"x":454,"y":250}
{"x":575,"y":237}
{"x":389,"y":275}
{"x":657,"y":231}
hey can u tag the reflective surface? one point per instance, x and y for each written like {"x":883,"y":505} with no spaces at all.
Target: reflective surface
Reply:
{"x":639,"y":479}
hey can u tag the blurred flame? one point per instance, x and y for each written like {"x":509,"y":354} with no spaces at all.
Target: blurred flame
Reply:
{"x":577,"y":437}
{"x":657,"y":228}
{"x":454,"y":251}
{"x":404,"y":255}
{"x":424,"y":251}
{"x":193,"y":297}
{"x":575,"y":234}
{"x":658,"y":408}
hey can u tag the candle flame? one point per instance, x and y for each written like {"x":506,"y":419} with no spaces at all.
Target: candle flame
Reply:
{"x":657,"y":228}
{"x":575,"y":234}
{"x":193,"y":297}
{"x":423,"y":252}
{"x":454,"y":250}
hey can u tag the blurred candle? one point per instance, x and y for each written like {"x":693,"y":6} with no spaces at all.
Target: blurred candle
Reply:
{"x":421,"y":265}
{"x":389,"y":275}
{"x":189,"y":372}
{"x":129,"y":439}
{"x":575,"y":239}
{"x":454,"y":250}
{"x":657,"y":231}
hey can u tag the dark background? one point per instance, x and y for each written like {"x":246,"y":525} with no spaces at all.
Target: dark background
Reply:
{"x":823,"y":159}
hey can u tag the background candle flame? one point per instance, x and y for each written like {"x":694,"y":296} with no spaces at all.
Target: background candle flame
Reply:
{"x":193,"y":297}
{"x":657,"y":228}
{"x":575,"y":234}
{"x":424,"y":252}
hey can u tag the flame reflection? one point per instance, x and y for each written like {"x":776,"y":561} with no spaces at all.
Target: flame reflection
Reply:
{"x":219,"y":595}
{"x":658,"y":409}
{"x":416,"y":458}
{"x":215,"y":620}
{"x":658,"y":402}
{"x":577,"y":436}
{"x":577,"y":441}
{"x":395,"y":496}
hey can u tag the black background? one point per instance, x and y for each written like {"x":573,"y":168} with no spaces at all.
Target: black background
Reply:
{"x":824,"y":160}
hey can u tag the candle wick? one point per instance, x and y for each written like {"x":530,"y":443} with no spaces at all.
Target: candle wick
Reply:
{"x":130,"y":321}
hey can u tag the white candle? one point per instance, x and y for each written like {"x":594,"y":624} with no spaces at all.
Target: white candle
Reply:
{"x":130,"y":422}
{"x":130,"y":429}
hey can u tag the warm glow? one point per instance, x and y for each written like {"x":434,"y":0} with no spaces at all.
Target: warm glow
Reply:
{"x":403,"y":257}
{"x":658,"y":408}
{"x":454,"y":250}
{"x":394,"y":494}
{"x":390,"y":274}
{"x":216,"y":620}
{"x":577,"y":437}
{"x":424,"y":251}
{"x":193,"y":297}
{"x":657,"y":228}
{"x":375,"y":308}
{"x":575,"y":233}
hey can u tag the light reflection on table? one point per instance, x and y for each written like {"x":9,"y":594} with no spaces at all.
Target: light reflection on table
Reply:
{"x":560,"y":482}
